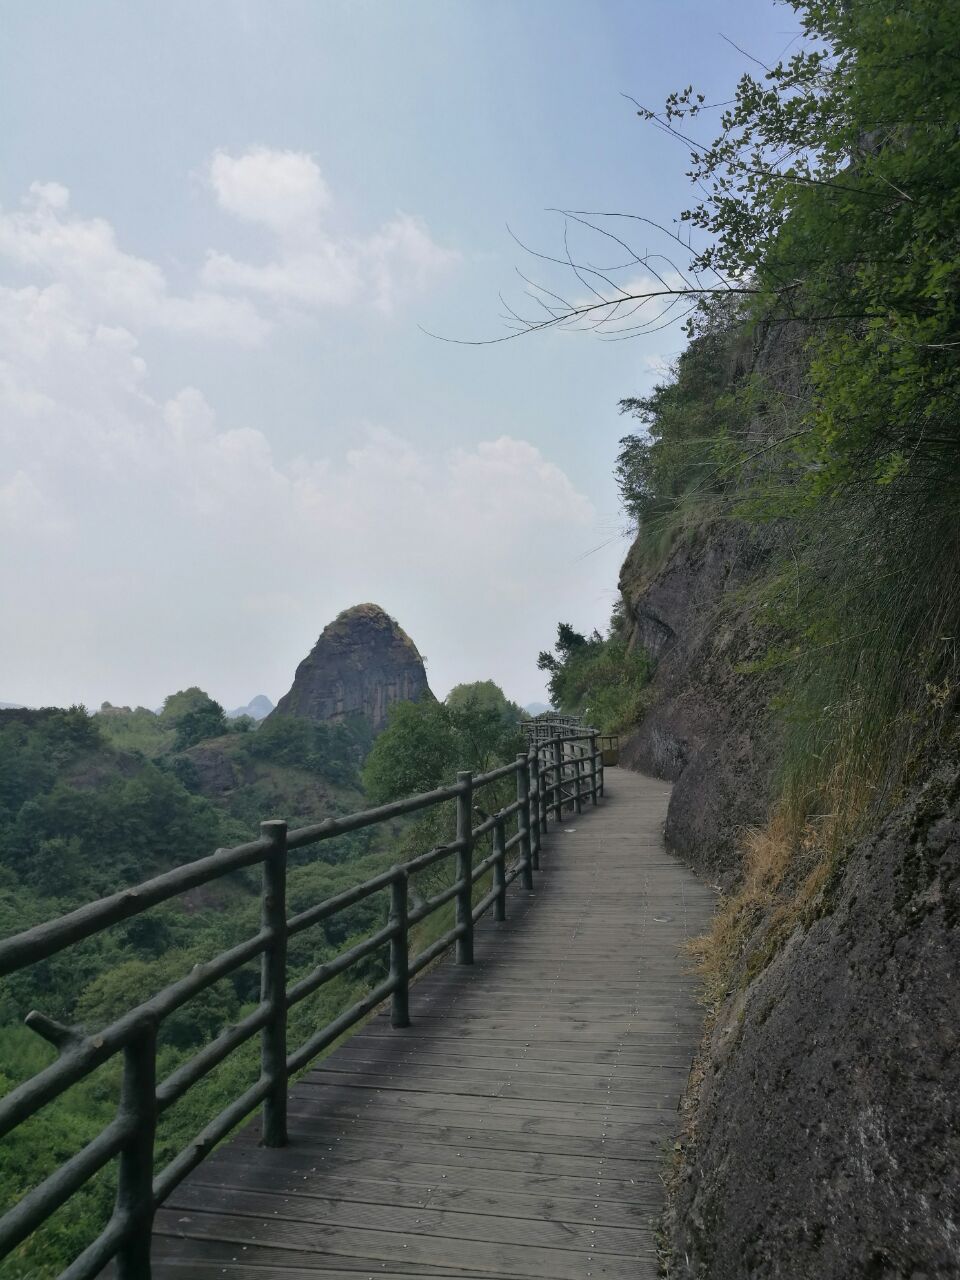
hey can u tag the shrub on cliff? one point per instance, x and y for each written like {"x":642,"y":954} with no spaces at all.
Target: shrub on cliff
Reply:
{"x":595,"y":677}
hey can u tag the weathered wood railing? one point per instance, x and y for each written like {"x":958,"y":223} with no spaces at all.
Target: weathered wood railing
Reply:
{"x":549,"y":725}
{"x":564,"y":770}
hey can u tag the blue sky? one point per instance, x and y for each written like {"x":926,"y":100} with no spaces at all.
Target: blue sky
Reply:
{"x":223,"y":229}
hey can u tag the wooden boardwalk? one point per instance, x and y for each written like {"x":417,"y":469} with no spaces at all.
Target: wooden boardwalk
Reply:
{"x":518,"y":1128}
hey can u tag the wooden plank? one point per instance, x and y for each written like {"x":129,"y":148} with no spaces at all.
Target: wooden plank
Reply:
{"x":517,"y":1129}
{"x":263,"y":1207}
{"x":449,"y":1060}
{"x":491,"y":1257}
{"x":487,"y":1096}
{"x":211,"y":1259}
{"x":475,"y":1136}
{"x":508,"y":1079}
{"x":537,"y":1133}
{"x":639,"y":1055}
{"x":487,"y":1202}
{"x":291,"y":1174}
{"x":490,"y":1150}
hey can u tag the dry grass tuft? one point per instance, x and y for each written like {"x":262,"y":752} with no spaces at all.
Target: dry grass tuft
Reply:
{"x":768,"y":853}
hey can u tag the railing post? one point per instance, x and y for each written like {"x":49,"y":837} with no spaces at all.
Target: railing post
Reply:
{"x":500,"y":871}
{"x":543,"y":773}
{"x":577,"y":779}
{"x":523,"y":821}
{"x":533,"y":809}
{"x":273,"y":984}
{"x":138,"y":1105}
{"x":399,"y":951}
{"x":600,"y":769}
{"x":557,"y":779}
{"x":593,"y":768}
{"x":465,"y":867}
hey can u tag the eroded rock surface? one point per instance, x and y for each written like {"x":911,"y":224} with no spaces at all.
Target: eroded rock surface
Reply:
{"x":708,"y":730}
{"x":828,"y":1132}
{"x":362,"y":664}
{"x":695,"y":614}
{"x":215,"y":774}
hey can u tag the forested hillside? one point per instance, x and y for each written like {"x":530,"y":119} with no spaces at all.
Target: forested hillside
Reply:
{"x":794,"y":587}
{"x":81,"y":817}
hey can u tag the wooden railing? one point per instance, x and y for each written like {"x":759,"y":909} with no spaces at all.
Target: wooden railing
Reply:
{"x":564,"y":770}
{"x":549,"y":725}
{"x":545,"y":727}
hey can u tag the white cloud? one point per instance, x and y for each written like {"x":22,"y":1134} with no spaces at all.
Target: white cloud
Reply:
{"x":659,"y":364}
{"x":162,"y":541}
{"x":82,"y":256}
{"x":312,"y":266}
{"x":52,"y":194}
{"x":401,"y":257}
{"x":283,"y":190}
{"x":25,"y":510}
{"x":326,"y":275}
{"x":641,"y":298}
{"x":157,"y":546}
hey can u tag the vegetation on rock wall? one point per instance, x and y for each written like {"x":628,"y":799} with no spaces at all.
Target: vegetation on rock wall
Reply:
{"x":675,"y":474}
{"x":833,"y":186}
{"x":821,"y":402}
{"x":596,"y":677}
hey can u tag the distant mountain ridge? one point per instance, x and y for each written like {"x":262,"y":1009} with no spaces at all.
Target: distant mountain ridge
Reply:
{"x":257,"y":708}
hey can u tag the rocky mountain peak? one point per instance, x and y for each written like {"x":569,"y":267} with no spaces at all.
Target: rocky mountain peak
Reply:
{"x":362,"y":663}
{"x":257,"y":708}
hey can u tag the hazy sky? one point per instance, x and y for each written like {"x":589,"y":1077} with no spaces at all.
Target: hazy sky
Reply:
{"x":222,"y":226}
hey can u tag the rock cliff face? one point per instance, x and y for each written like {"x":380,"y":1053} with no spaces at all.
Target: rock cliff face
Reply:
{"x":708,"y":730}
{"x":823,"y":1140}
{"x":363,"y":663}
{"x":827,"y":1136}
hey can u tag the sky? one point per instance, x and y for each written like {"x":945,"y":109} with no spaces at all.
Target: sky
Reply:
{"x":236,"y":240}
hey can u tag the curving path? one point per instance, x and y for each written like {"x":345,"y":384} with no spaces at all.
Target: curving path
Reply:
{"x":518,"y":1128}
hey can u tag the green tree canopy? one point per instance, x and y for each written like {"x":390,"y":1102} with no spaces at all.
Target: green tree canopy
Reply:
{"x":330,"y":749}
{"x":596,"y":677}
{"x":202,"y":719}
{"x":178,"y":704}
{"x":416,"y":752}
{"x":833,"y":187}
{"x":483,"y":694}
{"x":425,"y":743}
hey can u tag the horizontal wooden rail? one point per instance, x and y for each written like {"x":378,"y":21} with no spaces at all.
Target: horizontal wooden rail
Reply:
{"x":563,"y":768}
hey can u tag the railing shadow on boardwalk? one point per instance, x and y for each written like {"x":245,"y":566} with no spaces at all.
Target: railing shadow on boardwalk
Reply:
{"x":562,"y":771}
